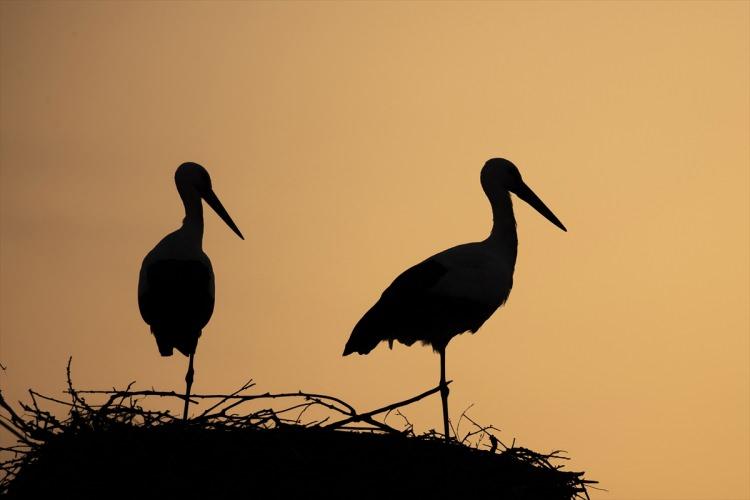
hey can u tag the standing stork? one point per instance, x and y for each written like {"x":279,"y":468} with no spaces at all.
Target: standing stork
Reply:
{"x":176,"y":283}
{"x":456,"y":290}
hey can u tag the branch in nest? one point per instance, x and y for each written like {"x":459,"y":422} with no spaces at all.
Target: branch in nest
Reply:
{"x":366,"y":416}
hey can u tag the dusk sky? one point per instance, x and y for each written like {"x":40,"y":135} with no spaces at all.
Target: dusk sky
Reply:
{"x":346,"y":141}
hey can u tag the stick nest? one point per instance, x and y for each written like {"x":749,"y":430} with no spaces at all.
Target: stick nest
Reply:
{"x":117,"y":448}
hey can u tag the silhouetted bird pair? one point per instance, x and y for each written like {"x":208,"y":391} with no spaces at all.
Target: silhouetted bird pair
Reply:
{"x":450,"y":293}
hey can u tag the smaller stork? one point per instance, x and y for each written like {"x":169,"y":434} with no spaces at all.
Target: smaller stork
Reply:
{"x":176,"y":283}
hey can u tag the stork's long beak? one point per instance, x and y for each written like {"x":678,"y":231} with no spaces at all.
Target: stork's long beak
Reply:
{"x":526,"y":194}
{"x":213,"y":202}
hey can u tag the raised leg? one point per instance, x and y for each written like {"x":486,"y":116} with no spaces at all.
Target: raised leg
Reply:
{"x":189,"y":382}
{"x":444,"y":395}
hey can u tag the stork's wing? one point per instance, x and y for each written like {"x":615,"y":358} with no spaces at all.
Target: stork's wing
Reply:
{"x":415,"y":280}
{"x":176,"y":298}
{"x":406,"y":291}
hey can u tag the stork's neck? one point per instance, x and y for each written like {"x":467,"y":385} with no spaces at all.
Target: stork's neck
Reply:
{"x":503,"y":236}
{"x":192,"y":224}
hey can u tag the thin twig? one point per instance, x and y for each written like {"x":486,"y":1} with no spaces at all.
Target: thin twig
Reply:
{"x":364,"y":416}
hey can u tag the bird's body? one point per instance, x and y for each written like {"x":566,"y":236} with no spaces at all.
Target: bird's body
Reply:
{"x":458,"y":289}
{"x":176,"y":292}
{"x":450,"y":293}
{"x":176,"y":289}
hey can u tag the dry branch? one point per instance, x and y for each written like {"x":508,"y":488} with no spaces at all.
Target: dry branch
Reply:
{"x":366,"y":417}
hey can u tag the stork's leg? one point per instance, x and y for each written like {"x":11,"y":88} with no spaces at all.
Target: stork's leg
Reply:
{"x":444,"y":394}
{"x":189,"y":382}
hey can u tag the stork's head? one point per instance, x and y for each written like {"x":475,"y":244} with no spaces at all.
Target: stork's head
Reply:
{"x":193,"y":182}
{"x":500,"y":175}
{"x":192,"y":175}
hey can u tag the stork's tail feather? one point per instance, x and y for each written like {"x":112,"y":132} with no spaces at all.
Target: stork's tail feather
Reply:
{"x":165,"y":350}
{"x":360,"y":345}
{"x":168,"y":339}
{"x":367,"y":334}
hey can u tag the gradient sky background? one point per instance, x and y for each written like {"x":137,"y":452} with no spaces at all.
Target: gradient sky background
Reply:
{"x":346,"y":141}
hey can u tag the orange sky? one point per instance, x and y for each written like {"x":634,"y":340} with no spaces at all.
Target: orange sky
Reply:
{"x":346,"y":140}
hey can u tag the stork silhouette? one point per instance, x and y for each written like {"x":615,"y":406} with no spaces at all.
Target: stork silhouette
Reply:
{"x":176,"y":282}
{"x":458,"y":289}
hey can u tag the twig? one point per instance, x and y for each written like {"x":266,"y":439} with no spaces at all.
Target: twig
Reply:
{"x":364,"y":416}
{"x":240,"y":398}
{"x":13,"y":431}
{"x":244,"y":387}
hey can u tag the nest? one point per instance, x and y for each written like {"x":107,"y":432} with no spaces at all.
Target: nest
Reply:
{"x":117,"y":448}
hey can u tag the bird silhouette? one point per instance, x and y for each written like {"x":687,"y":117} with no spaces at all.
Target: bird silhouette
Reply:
{"x":458,"y":289}
{"x":176,"y":282}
